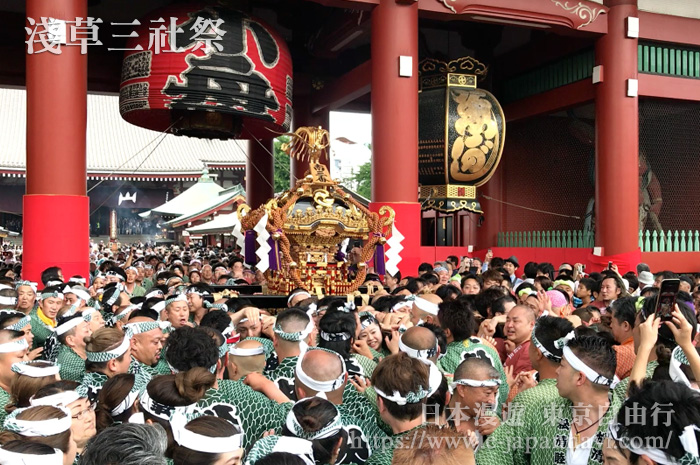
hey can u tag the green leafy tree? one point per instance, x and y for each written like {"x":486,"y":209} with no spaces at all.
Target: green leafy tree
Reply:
{"x":363,"y":180}
{"x":282,"y":165}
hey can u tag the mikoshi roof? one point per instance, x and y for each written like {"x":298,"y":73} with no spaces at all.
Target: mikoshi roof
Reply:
{"x":224,"y":198}
{"x":117,"y":149}
{"x":191,"y":200}
{"x":220,"y":224}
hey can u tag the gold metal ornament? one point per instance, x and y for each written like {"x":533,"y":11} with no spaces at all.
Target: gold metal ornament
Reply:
{"x":311,"y":220}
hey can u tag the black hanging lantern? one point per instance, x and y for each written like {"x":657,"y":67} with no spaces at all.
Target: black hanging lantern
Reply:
{"x":461,"y":132}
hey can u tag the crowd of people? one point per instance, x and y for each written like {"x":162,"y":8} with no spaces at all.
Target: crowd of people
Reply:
{"x":147,"y":361}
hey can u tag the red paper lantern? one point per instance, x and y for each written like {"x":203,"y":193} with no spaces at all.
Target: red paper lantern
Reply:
{"x":206,"y":71}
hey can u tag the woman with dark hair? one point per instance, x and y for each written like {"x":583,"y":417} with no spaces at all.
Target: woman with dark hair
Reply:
{"x":24,"y":424}
{"x":65,"y":394}
{"x":319,"y":421}
{"x":116,"y":402}
{"x":337,"y":332}
{"x":371,"y":332}
{"x":206,"y":440}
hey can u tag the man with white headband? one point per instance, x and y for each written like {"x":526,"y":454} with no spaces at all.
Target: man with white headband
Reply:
{"x":131,"y":287}
{"x":578,"y":417}
{"x":71,"y":333}
{"x":292,"y":332}
{"x":245,"y":357}
{"x":296,"y":296}
{"x":147,"y":340}
{"x":195,"y":300}
{"x":26,"y":296}
{"x":298,"y":447}
{"x":44,"y":317}
{"x":425,"y":309}
{"x":177,"y":311}
{"x":13,"y":349}
{"x":420,"y":342}
{"x":531,"y":401}
{"x":402,"y":386}
{"x":473,"y":403}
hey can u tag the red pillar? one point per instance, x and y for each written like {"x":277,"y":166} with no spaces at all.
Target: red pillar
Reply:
{"x":259,"y":173}
{"x":56,"y":207}
{"x":487,"y":233}
{"x":395,"y":123}
{"x":617,"y":136}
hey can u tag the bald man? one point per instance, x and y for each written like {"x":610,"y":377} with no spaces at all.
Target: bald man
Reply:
{"x":322,"y":366}
{"x":475,"y":388}
{"x":420,"y":342}
{"x":146,"y":347}
{"x":518,"y":329}
{"x":248,"y":356}
{"x":425,"y":309}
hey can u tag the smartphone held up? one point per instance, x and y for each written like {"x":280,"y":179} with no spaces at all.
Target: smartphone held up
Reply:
{"x":666,"y":300}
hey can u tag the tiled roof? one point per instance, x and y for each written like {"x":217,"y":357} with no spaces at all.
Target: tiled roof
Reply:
{"x":113,"y":145}
{"x":202,"y":192}
{"x":221,"y":223}
{"x":213,"y":204}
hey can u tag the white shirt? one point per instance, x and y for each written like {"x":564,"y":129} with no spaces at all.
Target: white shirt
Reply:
{"x":578,"y":456}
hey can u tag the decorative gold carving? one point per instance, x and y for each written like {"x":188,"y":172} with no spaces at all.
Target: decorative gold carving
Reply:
{"x":461,"y":80}
{"x":584,"y":12}
{"x":462,"y":65}
{"x":448,"y":191}
{"x":472,"y":156}
{"x":310,"y":220}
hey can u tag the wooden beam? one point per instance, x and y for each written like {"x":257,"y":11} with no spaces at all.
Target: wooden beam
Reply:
{"x":345,"y":89}
{"x":557,"y":99}
{"x":669,"y":87}
{"x":666,"y":28}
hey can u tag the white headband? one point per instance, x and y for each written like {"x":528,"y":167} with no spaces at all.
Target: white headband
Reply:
{"x":335,"y":336}
{"x":543,"y":349}
{"x":678,"y":358}
{"x":61,"y":399}
{"x":423,"y":354}
{"x":125,"y":404}
{"x":39,"y":428}
{"x":409,"y":398}
{"x":594,"y":377}
{"x":14,"y":346}
{"x":332,"y":428}
{"x":19,"y":326}
{"x":233,"y":350}
{"x":403,"y":303}
{"x":476,"y":383}
{"x":33,"y":286}
{"x":68,"y":325}
{"x":158,"y":307}
{"x":687,"y":439}
{"x":11,"y":301}
{"x":426,"y":306}
{"x":159,"y":410}
{"x":320,"y":386}
{"x":81,"y":294}
{"x":294,"y":294}
{"x":107,"y":355}
{"x":296,"y":446}
{"x":16,"y":458}
{"x":199,"y":442}
{"x":33,"y":371}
